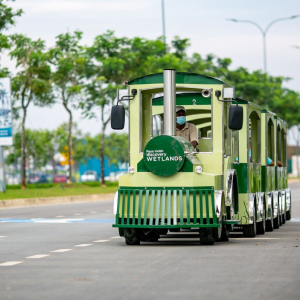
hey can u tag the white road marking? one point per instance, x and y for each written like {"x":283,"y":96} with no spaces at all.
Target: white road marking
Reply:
{"x":257,"y":239}
{"x":10,"y":263}
{"x":93,"y":212}
{"x":100,"y":241}
{"x":57,"y":221}
{"x":2,"y":236}
{"x":116,"y":237}
{"x":77,"y":214}
{"x":59,"y":216}
{"x":61,"y":250}
{"x":83,"y":245}
{"x":38,"y":256}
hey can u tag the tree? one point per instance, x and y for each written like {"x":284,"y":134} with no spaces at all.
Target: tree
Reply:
{"x":7,"y":18}
{"x":117,"y":148}
{"x":70,"y":64}
{"x":99,"y":95}
{"x":32,"y":82}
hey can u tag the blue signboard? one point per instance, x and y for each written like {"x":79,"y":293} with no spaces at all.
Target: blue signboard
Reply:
{"x":5,"y":113}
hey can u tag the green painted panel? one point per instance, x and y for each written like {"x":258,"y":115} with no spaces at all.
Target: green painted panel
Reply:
{"x":241,"y":101}
{"x":242,"y":175}
{"x":181,"y":78}
{"x":263,"y":178}
{"x":166,"y":188}
{"x":185,"y":99}
{"x":141,"y":166}
{"x":164,"y":155}
{"x":276,"y":179}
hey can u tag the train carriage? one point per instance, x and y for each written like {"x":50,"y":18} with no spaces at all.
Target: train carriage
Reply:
{"x":224,"y":182}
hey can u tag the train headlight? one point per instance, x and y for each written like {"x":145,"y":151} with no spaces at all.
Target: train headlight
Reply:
{"x":131,"y":170}
{"x":198,"y":169}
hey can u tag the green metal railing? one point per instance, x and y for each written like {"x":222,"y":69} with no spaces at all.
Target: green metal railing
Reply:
{"x":156,"y":207}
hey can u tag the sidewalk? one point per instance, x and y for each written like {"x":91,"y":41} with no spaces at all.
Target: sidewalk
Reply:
{"x":54,"y":200}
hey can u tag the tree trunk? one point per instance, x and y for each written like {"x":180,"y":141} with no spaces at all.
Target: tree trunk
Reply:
{"x":102,"y":156}
{"x":297,"y":151}
{"x":65,"y":104}
{"x":102,"y":147}
{"x":70,"y":145}
{"x":53,"y":167}
{"x":23,"y":154}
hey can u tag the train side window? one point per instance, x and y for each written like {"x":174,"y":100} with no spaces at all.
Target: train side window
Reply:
{"x":254,"y":138}
{"x":279,"y":145}
{"x":270,"y":152}
{"x":283,"y":147}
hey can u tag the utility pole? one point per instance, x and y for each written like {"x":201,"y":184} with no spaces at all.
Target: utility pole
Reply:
{"x":163,"y":23}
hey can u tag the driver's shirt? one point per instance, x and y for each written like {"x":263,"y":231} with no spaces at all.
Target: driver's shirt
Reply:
{"x":189,"y":132}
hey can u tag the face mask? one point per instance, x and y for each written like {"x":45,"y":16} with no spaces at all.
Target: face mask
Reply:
{"x":180,"y":120}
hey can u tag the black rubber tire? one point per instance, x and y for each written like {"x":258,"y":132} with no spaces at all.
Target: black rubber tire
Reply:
{"x":131,"y":236}
{"x":280,"y":220}
{"x":277,"y":220}
{"x":283,"y":217}
{"x":163,"y":231}
{"x":174,"y":230}
{"x":206,"y":236}
{"x":270,"y":223}
{"x":288,"y":215}
{"x":224,"y":235}
{"x":250,"y":230}
{"x":261,"y":226}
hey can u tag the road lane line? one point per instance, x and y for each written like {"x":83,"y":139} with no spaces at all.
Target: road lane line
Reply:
{"x":93,"y":212}
{"x":38,"y":256}
{"x":83,"y":245}
{"x":77,"y":214}
{"x":10,"y":263}
{"x":256,"y":239}
{"x":61,"y":250}
{"x":2,"y":236}
{"x":100,"y":241}
{"x":116,"y":237}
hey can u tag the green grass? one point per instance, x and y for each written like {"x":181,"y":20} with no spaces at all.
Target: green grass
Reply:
{"x":57,"y":190}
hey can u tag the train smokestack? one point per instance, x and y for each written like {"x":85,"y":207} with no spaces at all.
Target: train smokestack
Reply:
{"x":170,"y":102}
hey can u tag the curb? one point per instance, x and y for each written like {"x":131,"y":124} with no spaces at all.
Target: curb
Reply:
{"x":54,"y":200}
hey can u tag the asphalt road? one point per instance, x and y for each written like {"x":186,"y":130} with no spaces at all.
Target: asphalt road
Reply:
{"x":72,"y":252}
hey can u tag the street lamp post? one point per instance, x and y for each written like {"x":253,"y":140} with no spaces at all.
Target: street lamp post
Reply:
{"x":163,"y":21}
{"x":264,"y":33}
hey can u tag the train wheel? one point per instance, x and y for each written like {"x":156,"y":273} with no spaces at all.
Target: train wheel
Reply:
{"x":250,"y":230}
{"x":224,"y":235}
{"x":270,"y":223}
{"x":131,"y":236}
{"x":277,"y":220}
{"x":206,"y":236}
{"x":283,"y":217}
{"x":174,"y":230}
{"x":280,"y":220}
{"x":163,"y":231}
{"x":289,"y":212}
{"x":261,"y":226}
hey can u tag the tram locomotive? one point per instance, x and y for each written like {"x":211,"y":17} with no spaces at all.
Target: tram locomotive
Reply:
{"x":222,"y":184}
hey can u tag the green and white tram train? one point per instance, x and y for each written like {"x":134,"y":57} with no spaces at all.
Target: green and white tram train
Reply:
{"x":223,"y":183}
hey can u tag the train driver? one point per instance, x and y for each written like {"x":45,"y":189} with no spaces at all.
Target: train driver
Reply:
{"x":185,"y":129}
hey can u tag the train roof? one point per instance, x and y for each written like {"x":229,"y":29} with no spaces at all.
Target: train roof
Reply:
{"x":181,"y":78}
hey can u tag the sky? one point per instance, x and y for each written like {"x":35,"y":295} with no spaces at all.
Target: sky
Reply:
{"x":203,"y":22}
